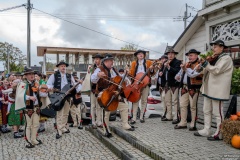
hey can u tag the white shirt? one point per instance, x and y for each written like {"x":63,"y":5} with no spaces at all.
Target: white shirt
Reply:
{"x":50,"y":82}
{"x":140,"y":68}
{"x":189,"y":73}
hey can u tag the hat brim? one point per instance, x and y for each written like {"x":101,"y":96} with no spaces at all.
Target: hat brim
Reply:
{"x":25,"y":73}
{"x":186,"y":54}
{"x":136,"y":53}
{"x":213,"y":43}
{"x":62,"y":64}
{"x":170,"y":52}
{"x":97,"y":57}
{"x":110,"y":58}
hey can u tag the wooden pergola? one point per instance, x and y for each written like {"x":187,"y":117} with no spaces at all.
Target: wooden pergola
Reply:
{"x":121,"y":57}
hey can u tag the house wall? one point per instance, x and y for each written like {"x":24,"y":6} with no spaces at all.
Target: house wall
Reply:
{"x":197,"y":41}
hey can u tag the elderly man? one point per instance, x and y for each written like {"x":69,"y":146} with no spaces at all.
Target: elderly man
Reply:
{"x":190,"y":83}
{"x":215,"y":89}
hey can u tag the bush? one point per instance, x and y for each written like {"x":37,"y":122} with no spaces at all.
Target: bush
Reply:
{"x":235,"y":87}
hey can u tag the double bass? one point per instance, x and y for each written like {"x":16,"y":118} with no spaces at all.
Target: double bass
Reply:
{"x":108,"y":98}
{"x":133,"y":92}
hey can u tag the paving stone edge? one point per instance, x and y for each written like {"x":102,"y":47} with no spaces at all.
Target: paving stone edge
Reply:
{"x":150,"y":151}
{"x":116,"y":149}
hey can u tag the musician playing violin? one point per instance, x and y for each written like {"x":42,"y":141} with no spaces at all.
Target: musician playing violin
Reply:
{"x":57,"y":81}
{"x":28,"y":100}
{"x":140,"y":66}
{"x":161,"y":80}
{"x":190,"y":83}
{"x":171,"y":68}
{"x":101,"y":76}
{"x":217,"y":75}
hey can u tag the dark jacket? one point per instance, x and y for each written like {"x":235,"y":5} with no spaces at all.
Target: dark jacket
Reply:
{"x":174,"y":69}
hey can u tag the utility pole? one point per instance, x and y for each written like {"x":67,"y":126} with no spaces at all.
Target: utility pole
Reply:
{"x":186,"y":17}
{"x":29,"y":8}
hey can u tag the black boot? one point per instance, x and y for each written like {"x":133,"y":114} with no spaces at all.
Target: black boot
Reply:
{"x":29,"y":145}
{"x":17,"y":135}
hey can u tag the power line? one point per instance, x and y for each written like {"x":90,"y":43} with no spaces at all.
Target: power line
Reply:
{"x":6,"y":9}
{"x":93,"y":30}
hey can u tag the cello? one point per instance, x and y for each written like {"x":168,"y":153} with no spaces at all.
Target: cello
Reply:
{"x":108,"y":98}
{"x":133,"y":92}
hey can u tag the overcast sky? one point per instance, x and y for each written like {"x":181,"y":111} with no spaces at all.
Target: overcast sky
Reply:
{"x":146,"y":23}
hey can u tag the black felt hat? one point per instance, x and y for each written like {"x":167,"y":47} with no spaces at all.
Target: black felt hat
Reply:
{"x":163,"y":56}
{"x":62,"y":63}
{"x":98,"y":56}
{"x":192,"y":51}
{"x":18,"y":74}
{"x":218,"y":42}
{"x":107,"y":57}
{"x":139,"y":51}
{"x":121,"y":70}
{"x":27,"y":70}
{"x":170,"y":50}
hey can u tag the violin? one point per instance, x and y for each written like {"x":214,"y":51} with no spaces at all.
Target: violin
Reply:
{"x":108,"y":98}
{"x":133,"y":92}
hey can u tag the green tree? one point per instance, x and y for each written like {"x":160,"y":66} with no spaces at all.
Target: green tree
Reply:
{"x":16,"y":59}
{"x":130,"y":47}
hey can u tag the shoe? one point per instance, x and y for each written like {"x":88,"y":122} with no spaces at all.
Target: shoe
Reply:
{"x":41,"y":130}
{"x":17,"y":135}
{"x":180,"y":127}
{"x":165,"y":119}
{"x":58,"y":136}
{"x":39,"y":142}
{"x":71,"y":125}
{"x":175,"y":121}
{"x":131,"y":129}
{"x":197,"y":134}
{"x":5,"y":130}
{"x":214,"y":138}
{"x":142,"y":120}
{"x":68,"y":131}
{"x":108,"y":135}
{"x":132,"y":122}
{"x":20,"y":130}
{"x":94,"y":126}
{"x":80,"y":127}
{"x":100,"y":126}
{"x":30,"y":145}
{"x":192,"y":129}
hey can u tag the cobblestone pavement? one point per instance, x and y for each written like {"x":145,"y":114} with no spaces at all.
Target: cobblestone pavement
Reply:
{"x":179,"y":144}
{"x":79,"y":144}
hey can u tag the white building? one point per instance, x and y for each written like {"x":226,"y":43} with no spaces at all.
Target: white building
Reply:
{"x":219,"y":19}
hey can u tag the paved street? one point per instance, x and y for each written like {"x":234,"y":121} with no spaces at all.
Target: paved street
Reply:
{"x":79,"y":144}
{"x":179,"y":144}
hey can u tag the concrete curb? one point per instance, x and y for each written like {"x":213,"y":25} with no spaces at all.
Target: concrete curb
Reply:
{"x":116,"y":149}
{"x":150,"y":151}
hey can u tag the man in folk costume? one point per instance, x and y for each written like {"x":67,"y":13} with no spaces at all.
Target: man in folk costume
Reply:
{"x":217,"y":75}
{"x":161,"y":82}
{"x":171,"y":68}
{"x":107,"y":71}
{"x":57,"y":81}
{"x":141,"y":65}
{"x":28,"y":100}
{"x":190,"y":83}
{"x":75,"y":108}
{"x":96,"y":111}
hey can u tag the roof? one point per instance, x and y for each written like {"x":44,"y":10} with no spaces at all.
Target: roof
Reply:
{"x":188,"y":32}
{"x":41,"y":50}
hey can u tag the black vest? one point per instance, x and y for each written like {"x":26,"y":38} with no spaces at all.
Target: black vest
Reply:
{"x":58,"y":78}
